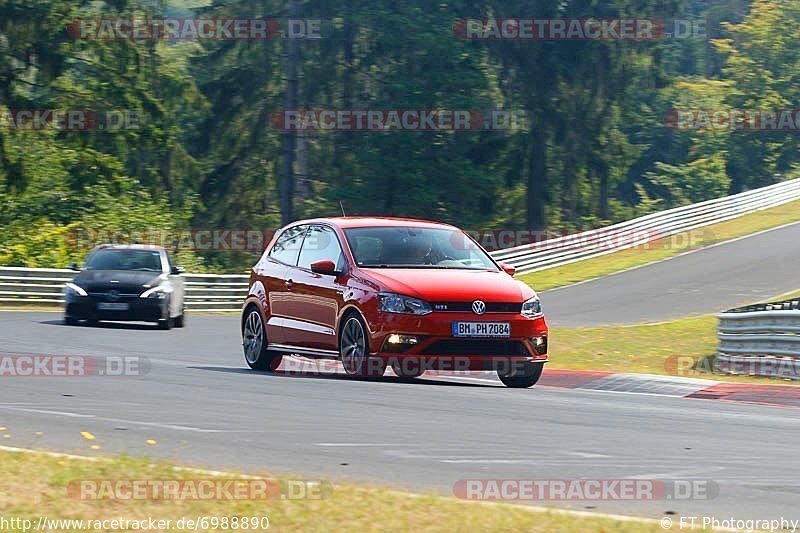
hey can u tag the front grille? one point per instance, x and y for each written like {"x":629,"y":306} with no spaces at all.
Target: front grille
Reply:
{"x":466,"y":307}
{"x":483,"y":347}
{"x":122,"y":297}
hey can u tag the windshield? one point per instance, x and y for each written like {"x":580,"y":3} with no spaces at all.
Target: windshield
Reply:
{"x":145,"y":260}
{"x":410,"y":247}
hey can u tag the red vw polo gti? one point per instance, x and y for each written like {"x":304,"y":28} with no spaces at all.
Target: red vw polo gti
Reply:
{"x":410,"y":294}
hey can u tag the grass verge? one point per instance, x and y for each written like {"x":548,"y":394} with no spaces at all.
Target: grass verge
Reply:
{"x":648,"y":348}
{"x":37,"y":485}
{"x":664,"y":248}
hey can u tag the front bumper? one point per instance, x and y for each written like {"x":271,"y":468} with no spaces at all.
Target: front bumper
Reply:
{"x":139,"y":309}
{"x":438,"y":349}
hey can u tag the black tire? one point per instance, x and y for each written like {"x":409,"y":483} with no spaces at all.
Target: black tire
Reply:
{"x":70,"y":321}
{"x":180,"y":320}
{"x":354,"y":350}
{"x":254,"y":343}
{"x":404,"y":372}
{"x":165,"y":323}
{"x":522,"y":377}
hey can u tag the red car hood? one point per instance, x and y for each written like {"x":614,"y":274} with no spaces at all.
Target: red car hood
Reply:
{"x":442,"y":285}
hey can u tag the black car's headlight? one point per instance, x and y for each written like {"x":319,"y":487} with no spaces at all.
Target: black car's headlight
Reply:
{"x":71,"y":289}
{"x":159,"y":291}
{"x":397,"y":303}
{"x":532,"y":308}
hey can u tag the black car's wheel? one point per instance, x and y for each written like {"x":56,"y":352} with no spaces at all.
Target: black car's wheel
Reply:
{"x":354,"y":351}
{"x":180,"y":320}
{"x":254,"y":343}
{"x":70,"y":321}
{"x":165,"y":323}
{"x":521,"y":376}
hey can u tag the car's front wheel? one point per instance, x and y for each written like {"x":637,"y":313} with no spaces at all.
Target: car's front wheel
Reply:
{"x":354,"y":351}
{"x":254,"y":343}
{"x":407,"y":371}
{"x":521,"y":376}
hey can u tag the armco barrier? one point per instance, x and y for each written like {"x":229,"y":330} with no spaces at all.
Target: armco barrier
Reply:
{"x":213,"y":292}
{"x":204,"y":292}
{"x":639,"y":231}
{"x":760,"y":339}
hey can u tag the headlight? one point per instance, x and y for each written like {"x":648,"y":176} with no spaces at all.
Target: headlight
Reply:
{"x":397,"y":303}
{"x":159,"y":291}
{"x":74,"y":290}
{"x":532,"y":308}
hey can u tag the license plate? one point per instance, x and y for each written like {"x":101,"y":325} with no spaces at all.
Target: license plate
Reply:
{"x":481,"y":329}
{"x":112,"y":306}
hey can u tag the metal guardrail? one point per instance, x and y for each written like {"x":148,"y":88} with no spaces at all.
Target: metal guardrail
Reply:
{"x":640,"y":231}
{"x":204,"y":292}
{"x":761,"y":339}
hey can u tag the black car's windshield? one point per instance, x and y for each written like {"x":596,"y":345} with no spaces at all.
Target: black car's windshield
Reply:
{"x":145,"y":260}
{"x":412,"y":247}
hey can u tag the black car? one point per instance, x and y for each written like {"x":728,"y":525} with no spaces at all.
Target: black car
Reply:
{"x":126,"y":282}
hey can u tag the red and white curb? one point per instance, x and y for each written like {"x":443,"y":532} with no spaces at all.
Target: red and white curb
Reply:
{"x":705,"y":389}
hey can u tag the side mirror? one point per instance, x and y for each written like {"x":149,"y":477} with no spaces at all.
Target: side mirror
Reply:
{"x":177,"y":270}
{"x":74,"y":266}
{"x":324,"y":266}
{"x":508,"y":269}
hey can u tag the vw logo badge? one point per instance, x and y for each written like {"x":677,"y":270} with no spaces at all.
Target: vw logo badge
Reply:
{"x":478,"y":307}
{"x":113,"y":295}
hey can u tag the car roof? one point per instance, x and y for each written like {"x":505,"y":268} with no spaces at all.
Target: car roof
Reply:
{"x":367,"y":222}
{"x":128,"y":247}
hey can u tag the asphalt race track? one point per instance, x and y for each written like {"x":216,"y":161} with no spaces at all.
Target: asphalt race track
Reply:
{"x":709,"y":280}
{"x":203,"y":408}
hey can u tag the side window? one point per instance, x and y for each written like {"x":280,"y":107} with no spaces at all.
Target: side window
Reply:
{"x":170,"y":262}
{"x":287,"y":247}
{"x":321,"y":243}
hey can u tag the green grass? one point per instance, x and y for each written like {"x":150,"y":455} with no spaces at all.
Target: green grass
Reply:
{"x":36,"y":485}
{"x":663,"y":249}
{"x":648,"y":349}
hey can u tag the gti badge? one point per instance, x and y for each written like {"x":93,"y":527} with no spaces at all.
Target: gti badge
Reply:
{"x":478,"y":307}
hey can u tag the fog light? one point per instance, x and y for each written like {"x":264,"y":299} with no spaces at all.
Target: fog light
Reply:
{"x":394,"y":338}
{"x":539,"y":344}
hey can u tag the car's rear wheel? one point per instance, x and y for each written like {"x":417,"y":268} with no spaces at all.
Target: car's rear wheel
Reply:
{"x":165,"y":323}
{"x":354,"y":351}
{"x":70,"y":321}
{"x":180,"y":320}
{"x":254,"y":343}
{"x":521,"y":376}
